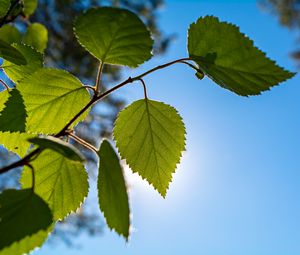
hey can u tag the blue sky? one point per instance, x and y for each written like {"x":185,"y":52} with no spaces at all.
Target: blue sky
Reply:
{"x":237,"y":189}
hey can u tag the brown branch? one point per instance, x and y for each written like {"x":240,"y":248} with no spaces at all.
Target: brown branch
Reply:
{"x":96,"y":98}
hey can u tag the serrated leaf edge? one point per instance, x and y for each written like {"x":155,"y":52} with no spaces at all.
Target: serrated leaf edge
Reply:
{"x":177,"y":164}
{"x":106,"y":7}
{"x":251,"y":42}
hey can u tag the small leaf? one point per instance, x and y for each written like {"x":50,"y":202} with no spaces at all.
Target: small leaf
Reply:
{"x":34,"y":59}
{"x":22,"y":214}
{"x":29,"y":7}
{"x":114,"y":36}
{"x":10,"y":34}
{"x":150,"y":135}
{"x":52,"y":97}
{"x":112,"y":191}
{"x":11,"y":54}
{"x":4,"y":7}
{"x":61,"y":182}
{"x":230,"y":59}
{"x":65,"y":149}
{"x":36,"y":36}
{"x":13,"y":116}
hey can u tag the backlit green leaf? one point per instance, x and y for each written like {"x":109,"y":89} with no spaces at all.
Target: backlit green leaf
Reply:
{"x":15,"y":142}
{"x":114,"y":36}
{"x":36,"y":36}
{"x":4,"y":95}
{"x":52,"y":97}
{"x":22,"y":214}
{"x":10,"y":34}
{"x":27,"y":244}
{"x":13,"y":115}
{"x":56,"y":144}
{"x":34,"y":62}
{"x":150,"y":135}
{"x":112,"y":191}
{"x":61,"y":182}
{"x":29,"y":6}
{"x":230,"y":59}
{"x":11,"y":54}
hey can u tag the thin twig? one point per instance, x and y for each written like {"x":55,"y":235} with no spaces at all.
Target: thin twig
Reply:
{"x":98,"y":79}
{"x":96,"y":98}
{"x":91,"y":88}
{"x":82,"y":142}
{"x":4,"y":84}
{"x":20,"y":162}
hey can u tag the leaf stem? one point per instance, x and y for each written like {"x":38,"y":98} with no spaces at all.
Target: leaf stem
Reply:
{"x":82,"y":142}
{"x":144,"y":87}
{"x":98,"y":79}
{"x":97,"y":97}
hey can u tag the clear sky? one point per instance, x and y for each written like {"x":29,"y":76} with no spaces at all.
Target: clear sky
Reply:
{"x":237,"y":189}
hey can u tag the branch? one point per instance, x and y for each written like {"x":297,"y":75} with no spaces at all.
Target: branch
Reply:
{"x":21,"y":162}
{"x":96,"y":98}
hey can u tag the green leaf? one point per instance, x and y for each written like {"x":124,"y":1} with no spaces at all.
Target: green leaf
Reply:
{"x":52,"y":97}
{"x":4,"y":95}
{"x":11,"y":54}
{"x":13,"y":116}
{"x":27,"y":244}
{"x":22,"y":214}
{"x":114,"y":36}
{"x":65,"y":149}
{"x":230,"y":59}
{"x":16,"y":142}
{"x":112,"y":190}
{"x":34,"y":59}
{"x":150,"y":135}
{"x":29,"y":7}
{"x":10,"y":34}
{"x":36,"y":36}
{"x":61,"y":182}
{"x":4,"y":7}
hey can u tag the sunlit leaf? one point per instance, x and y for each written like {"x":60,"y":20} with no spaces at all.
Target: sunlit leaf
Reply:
{"x":16,"y":142}
{"x":150,"y":135}
{"x":112,"y":191}
{"x":52,"y":97}
{"x":230,"y":59}
{"x":11,"y":54}
{"x":36,"y":36}
{"x":29,"y":6}
{"x":10,"y":34}
{"x":27,"y":244}
{"x":61,"y":182}
{"x":34,"y":62}
{"x":13,"y":115}
{"x":114,"y":36}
